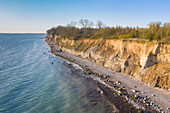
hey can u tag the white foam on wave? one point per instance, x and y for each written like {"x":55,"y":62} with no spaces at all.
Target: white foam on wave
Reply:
{"x":74,"y":65}
{"x":77,"y":66}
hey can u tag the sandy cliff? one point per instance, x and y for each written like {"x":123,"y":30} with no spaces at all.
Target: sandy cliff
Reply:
{"x":147,"y":61}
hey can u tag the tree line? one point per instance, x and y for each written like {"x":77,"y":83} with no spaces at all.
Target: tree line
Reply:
{"x":87,"y":29}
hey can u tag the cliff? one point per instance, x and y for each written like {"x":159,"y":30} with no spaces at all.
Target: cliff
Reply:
{"x":147,"y":61}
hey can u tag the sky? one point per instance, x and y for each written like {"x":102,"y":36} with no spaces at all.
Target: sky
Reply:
{"x":36,"y":16}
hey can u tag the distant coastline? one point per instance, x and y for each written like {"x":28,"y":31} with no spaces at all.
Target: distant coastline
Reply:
{"x":22,"y":33}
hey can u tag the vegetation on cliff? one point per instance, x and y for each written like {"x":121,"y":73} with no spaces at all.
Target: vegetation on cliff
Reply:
{"x":87,"y":29}
{"x":147,"y":61}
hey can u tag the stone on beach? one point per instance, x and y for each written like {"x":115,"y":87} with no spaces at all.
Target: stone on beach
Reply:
{"x":118,"y":82}
{"x":101,"y":92}
{"x":103,"y":76}
{"x":122,"y":86}
{"x":134,"y":90}
{"x":153,"y":95}
{"x":135,"y":96}
{"x":96,"y":74}
{"x":120,"y":94}
{"x":138,"y":93}
{"x":108,"y":76}
{"x":151,"y":103}
{"x":120,"y":89}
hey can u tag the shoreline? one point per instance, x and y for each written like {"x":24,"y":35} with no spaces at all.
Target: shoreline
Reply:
{"x":114,"y":82}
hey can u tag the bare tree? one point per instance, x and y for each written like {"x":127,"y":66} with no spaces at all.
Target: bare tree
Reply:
{"x":100,"y":24}
{"x":167,"y":24}
{"x":84,"y":23}
{"x":72,"y":24}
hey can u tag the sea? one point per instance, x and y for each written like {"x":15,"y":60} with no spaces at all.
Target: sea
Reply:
{"x":33,"y":80}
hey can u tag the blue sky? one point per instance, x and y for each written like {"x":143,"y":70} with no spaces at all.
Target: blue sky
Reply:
{"x":36,"y":16}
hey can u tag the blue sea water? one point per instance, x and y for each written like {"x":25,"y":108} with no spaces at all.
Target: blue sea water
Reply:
{"x":32,"y":80}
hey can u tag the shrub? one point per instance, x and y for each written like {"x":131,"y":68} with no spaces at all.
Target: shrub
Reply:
{"x":131,"y":35}
{"x":156,"y":37}
{"x":122,"y":36}
{"x":149,"y":36}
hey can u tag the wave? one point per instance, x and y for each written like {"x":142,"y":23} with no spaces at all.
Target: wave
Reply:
{"x":16,"y":67}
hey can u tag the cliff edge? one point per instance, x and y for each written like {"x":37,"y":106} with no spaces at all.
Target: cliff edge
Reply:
{"x":149,"y":62}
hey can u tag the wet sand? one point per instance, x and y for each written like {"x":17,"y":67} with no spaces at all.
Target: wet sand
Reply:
{"x":121,"y":98}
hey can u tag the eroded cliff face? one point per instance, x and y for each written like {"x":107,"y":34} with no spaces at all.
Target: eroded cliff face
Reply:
{"x":147,"y":61}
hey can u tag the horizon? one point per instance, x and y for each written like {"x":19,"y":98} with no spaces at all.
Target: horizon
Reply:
{"x":30,"y":16}
{"x":21,"y":33}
